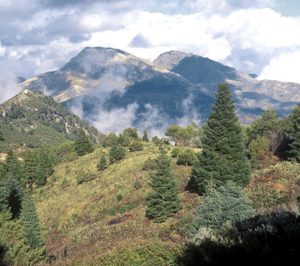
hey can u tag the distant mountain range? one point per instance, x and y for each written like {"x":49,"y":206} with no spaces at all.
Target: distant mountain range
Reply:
{"x":114,"y":89}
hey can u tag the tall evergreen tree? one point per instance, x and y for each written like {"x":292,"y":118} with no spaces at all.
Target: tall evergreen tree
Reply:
{"x":30,"y":164}
{"x":145,"y":136}
{"x":13,"y":166}
{"x":83,"y":145}
{"x":223,"y":156}
{"x":31,"y":223}
{"x":163,"y":200}
{"x":295,"y":134}
{"x":40,"y":177}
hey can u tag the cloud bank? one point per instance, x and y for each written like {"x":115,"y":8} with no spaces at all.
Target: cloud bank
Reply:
{"x":249,"y":35}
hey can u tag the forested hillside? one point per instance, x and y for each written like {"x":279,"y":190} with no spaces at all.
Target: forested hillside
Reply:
{"x":31,"y":119}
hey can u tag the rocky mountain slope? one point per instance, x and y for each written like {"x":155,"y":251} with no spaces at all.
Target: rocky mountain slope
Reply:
{"x":252,"y":96}
{"x":105,"y":84}
{"x":30,"y":119}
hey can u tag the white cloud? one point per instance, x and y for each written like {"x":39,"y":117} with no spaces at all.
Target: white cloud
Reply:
{"x":8,"y":84}
{"x":245,"y":34}
{"x":284,"y":67}
{"x":115,"y":120}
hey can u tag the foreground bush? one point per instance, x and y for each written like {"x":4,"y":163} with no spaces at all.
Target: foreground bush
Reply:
{"x":147,"y":255}
{"x":271,"y":239}
{"x":226,"y":203}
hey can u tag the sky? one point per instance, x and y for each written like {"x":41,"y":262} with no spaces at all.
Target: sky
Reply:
{"x":254,"y":36}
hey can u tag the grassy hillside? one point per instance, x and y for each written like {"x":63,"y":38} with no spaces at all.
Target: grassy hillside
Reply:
{"x":88,"y":223}
{"x":31,"y":119}
{"x":102,"y":221}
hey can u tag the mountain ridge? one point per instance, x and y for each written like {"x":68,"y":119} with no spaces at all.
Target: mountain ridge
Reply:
{"x":31,"y":119}
{"x":100,"y":81}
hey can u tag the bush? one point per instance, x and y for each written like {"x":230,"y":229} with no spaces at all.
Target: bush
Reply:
{"x":149,"y":254}
{"x":226,"y":203}
{"x":256,"y":241}
{"x":136,"y":146}
{"x":150,"y":164}
{"x":186,"y":157}
{"x":119,"y":197}
{"x":125,"y":208}
{"x":175,"y":152}
{"x":17,"y":251}
{"x":102,"y":164}
{"x":111,"y":140}
{"x":83,"y":145}
{"x":156,"y":140}
{"x":116,"y":153}
{"x":83,"y":177}
{"x":259,"y":151}
{"x":137,"y":185}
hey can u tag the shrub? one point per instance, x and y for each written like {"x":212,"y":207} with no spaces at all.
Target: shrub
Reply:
{"x":116,"y":153}
{"x":119,"y":197}
{"x":102,"y":164}
{"x":136,"y":146}
{"x":226,"y":203}
{"x":83,"y":177}
{"x":125,"y":208}
{"x":186,"y":157}
{"x":148,"y":254}
{"x":156,"y":140}
{"x":83,"y":145}
{"x":150,"y":164}
{"x":137,"y":185}
{"x":256,"y":241}
{"x":259,"y":151}
{"x":175,"y":152}
{"x":112,"y":211}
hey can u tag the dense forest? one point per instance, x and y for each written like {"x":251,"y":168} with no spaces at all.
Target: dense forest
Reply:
{"x":211,"y":195}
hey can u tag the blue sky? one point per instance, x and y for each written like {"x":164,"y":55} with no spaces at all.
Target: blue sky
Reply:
{"x":288,"y":7}
{"x":254,"y":36}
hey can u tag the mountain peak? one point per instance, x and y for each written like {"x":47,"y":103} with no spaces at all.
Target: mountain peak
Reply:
{"x":95,"y":58}
{"x":170,"y":59}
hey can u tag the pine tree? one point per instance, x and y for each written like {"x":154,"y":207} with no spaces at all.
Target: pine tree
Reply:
{"x":295,"y":134}
{"x":162,"y":201}
{"x":31,"y":223}
{"x":102,"y":163}
{"x":13,"y":166}
{"x":145,"y":136}
{"x":40,"y":177}
{"x":30,"y":164}
{"x":223,"y":156}
{"x":45,"y":159}
{"x":83,"y":145}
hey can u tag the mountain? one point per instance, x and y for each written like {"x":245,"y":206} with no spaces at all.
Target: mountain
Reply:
{"x":106,"y":81}
{"x":252,"y":96}
{"x":113,"y":89}
{"x":31,"y":119}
